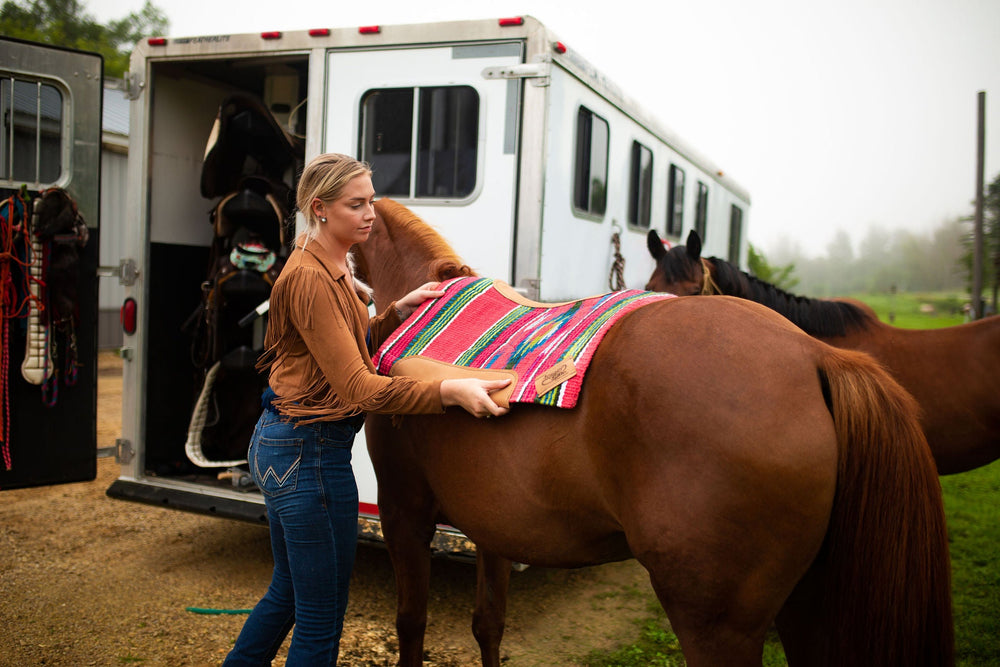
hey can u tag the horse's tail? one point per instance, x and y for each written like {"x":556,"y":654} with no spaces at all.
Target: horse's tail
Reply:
{"x":889,"y":581}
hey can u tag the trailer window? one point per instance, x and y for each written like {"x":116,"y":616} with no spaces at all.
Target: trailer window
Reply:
{"x":640,"y":191}
{"x":443,"y":144}
{"x":701,"y":211}
{"x":31,"y":132}
{"x":675,"y":201}
{"x":590,"y":181}
{"x":735,"y":233}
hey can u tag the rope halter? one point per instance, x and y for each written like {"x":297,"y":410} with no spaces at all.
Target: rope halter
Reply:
{"x":708,"y":284}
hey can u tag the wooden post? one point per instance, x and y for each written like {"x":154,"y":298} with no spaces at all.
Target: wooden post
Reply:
{"x":977,"y":258}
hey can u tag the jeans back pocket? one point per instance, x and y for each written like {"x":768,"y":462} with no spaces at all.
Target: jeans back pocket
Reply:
{"x":276,"y":464}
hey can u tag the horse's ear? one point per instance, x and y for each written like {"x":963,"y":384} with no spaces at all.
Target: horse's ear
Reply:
{"x":694,"y":246}
{"x":655,"y":245}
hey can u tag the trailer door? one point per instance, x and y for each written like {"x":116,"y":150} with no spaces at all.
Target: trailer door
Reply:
{"x":50,"y":113}
{"x":442,"y":138}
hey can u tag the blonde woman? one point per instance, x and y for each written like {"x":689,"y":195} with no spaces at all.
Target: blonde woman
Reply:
{"x":321,"y":384}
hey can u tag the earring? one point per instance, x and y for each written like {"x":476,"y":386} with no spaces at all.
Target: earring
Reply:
{"x":322,"y":219}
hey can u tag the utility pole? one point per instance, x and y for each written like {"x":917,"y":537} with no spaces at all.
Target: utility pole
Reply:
{"x":977,"y":259}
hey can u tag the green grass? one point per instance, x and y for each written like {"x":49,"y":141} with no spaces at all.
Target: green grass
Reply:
{"x":658,"y":646}
{"x":972,"y":508}
{"x":931,"y":310}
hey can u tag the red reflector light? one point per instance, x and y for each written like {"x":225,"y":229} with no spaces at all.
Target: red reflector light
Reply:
{"x":129,"y":315}
{"x":559,"y":47}
{"x":368,"y":508}
{"x":319,"y":32}
{"x":516,"y":20}
{"x":370,"y":29}
{"x":157,"y":41}
{"x":274,"y":34}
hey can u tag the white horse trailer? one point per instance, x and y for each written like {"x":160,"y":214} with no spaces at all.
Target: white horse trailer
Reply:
{"x":533,"y":165}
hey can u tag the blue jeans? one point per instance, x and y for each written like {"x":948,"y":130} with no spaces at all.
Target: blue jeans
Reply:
{"x":305,"y":475}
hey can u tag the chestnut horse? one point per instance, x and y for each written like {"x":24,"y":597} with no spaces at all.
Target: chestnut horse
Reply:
{"x":759,"y":475}
{"x":950,"y":371}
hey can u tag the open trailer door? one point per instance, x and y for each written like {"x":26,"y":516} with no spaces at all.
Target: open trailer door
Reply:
{"x":50,"y":142}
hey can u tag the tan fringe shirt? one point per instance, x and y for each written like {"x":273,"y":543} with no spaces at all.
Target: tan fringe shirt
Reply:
{"x":320,"y":366}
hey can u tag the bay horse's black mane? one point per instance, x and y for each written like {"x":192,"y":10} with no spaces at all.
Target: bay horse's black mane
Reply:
{"x":817,"y":317}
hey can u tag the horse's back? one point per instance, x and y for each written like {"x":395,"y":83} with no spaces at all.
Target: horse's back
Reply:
{"x":950,"y":371}
{"x":679,"y":403}
{"x":723,"y":387}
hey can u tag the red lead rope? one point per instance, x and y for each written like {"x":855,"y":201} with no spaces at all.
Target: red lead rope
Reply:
{"x":5,"y":416}
{"x":8,"y":213}
{"x":11,"y":210}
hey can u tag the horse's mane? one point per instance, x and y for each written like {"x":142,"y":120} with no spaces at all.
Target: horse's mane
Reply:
{"x":401,"y":220}
{"x":817,"y":317}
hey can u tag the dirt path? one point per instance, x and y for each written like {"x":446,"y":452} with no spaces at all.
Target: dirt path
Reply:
{"x":88,"y":580}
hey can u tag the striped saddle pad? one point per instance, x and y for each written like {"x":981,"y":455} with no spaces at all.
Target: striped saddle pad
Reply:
{"x":484,"y":324}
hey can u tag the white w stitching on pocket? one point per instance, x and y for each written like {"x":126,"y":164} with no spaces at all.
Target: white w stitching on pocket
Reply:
{"x":278,"y":479}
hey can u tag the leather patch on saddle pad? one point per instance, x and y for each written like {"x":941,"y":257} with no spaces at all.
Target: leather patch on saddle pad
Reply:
{"x":485,"y":325}
{"x":425,"y":368}
{"x":555,"y":376}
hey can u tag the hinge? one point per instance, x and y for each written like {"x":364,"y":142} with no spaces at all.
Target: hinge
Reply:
{"x":133,"y":86}
{"x":537,"y":72}
{"x":124,"y":452}
{"x":126,"y":271}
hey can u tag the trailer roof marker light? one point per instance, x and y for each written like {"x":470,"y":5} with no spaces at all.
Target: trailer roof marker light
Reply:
{"x":128,"y":316}
{"x":319,"y":32}
{"x":157,"y":41}
{"x":558,"y":47}
{"x":272,"y":34}
{"x":370,"y":29}
{"x":512,"y":21}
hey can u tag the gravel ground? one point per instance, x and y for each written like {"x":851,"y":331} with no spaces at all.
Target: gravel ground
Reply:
{"x":89,"y":580}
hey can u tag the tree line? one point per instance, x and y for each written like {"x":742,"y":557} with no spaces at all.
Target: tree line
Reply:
{"x":900,"y":260}
{"x":65,"y":23}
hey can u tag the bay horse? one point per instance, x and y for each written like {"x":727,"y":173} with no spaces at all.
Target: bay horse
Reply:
{"x":951,"y":371}
{"x":760,"y":476}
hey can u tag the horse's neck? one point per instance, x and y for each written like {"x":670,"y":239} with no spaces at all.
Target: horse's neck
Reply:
{"x":404,"y":253}
{"x":733,"y":281}
{"x":817,"y":317}
{"x":396,"y":273}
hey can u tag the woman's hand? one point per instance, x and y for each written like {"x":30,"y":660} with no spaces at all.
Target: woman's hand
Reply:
{"x":410,"y":302}
{"x":473,"y":394}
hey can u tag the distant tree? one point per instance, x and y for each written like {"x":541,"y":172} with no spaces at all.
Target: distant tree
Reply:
{"x":836,"y":273}
{"x":780,"y":276}
{"x":991,"y":230}
{"x":991,"y":242}
{"x":840,"y":249}
{"x":874,"y":260}
{"x":65,"y":23}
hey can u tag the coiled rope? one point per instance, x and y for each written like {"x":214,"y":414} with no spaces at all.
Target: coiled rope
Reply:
{"x":616,"y":278}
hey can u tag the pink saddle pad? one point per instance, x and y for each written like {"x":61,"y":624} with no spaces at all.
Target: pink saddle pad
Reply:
{"x":484,"y":324}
